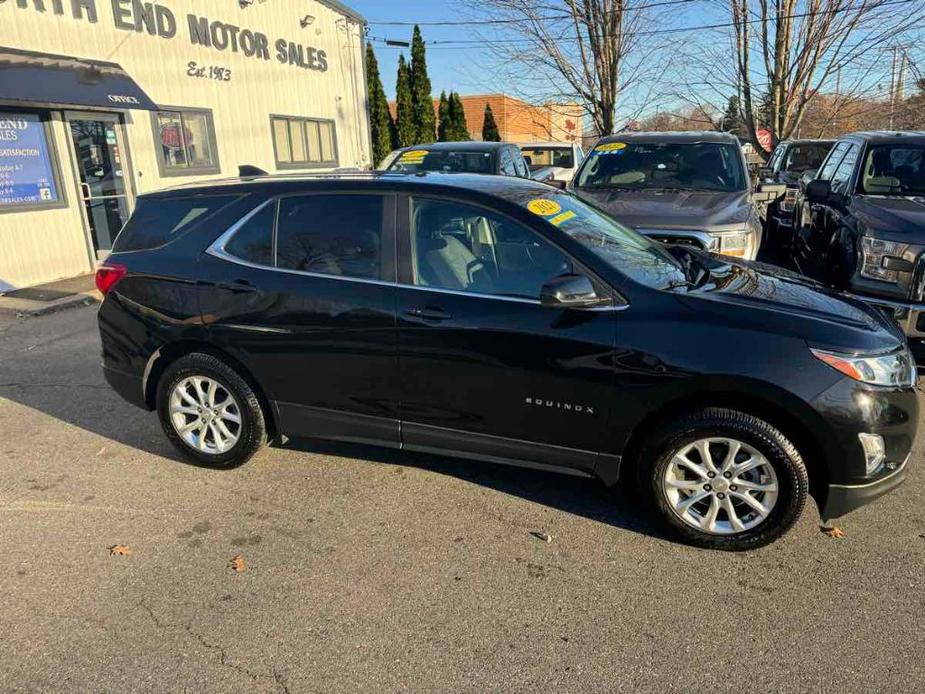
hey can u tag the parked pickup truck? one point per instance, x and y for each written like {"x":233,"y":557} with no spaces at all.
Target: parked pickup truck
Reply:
{"x":778,"y":181}
{"x":861,"y":225}
{"x":689,"y":188}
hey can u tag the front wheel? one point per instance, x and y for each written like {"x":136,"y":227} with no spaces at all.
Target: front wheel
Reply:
{"x":209,"y":412}
{"x":723,"y":479}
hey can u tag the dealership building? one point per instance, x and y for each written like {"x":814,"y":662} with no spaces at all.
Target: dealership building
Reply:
{"x":102,"y":100}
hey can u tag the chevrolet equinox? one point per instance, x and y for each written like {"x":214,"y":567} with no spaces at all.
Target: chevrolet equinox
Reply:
{"x":500,"y":319}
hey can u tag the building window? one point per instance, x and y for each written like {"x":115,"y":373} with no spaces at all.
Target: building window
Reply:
{"x":301,"y":143}
{"x":29,"y":177}
{"x":185,"y":142}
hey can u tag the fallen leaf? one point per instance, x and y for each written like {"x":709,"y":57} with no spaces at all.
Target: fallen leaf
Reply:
{"x":237,"y":563}
{"x":834,"y":531}
{"x":120,"y":551}
{"x":539,"y":535}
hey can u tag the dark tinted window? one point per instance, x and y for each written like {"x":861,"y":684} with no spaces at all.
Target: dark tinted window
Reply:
{"x":330,"y":235}
{"x":157,"y":221}
{"x":465,"y":248}
{"x":653,"y":165}
{"x":843,"y":172}
{"x":832,"y":161}
{"x":507,"y":164}
{"x":253,"y":242}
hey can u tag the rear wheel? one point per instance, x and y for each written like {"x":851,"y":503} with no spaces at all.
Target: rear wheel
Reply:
{"x":724,"y":479}
{"x":209,"y":413}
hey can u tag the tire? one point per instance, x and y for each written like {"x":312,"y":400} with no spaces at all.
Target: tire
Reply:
{"x":219,"y":441}
{"x":777,"y":480}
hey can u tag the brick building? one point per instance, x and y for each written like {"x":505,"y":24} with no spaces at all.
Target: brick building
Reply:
{"x":519,"y":121}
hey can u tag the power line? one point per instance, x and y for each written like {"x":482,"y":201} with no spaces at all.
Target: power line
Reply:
{"x":456,"y":44}
{"x":462,"y":22}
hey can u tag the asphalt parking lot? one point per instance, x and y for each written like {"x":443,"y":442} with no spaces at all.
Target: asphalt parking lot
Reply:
{"x":369,"y":570}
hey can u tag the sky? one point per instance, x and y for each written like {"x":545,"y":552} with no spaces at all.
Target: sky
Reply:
{"x":449,"y":69}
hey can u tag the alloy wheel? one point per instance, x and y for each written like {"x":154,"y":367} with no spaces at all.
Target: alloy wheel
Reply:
{"x":205,"y":414}
{"x":720,"y":485}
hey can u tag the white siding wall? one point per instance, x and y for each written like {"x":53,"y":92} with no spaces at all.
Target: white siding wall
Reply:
{"x":46,"y":245}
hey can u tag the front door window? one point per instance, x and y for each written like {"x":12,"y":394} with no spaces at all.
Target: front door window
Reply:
{"x":101,"y":166}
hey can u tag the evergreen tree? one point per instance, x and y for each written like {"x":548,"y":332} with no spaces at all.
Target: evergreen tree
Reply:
{"x":489,"y":127}
{"x":732,"y":119}
{"x":380,"y":120}
{"x":404,"y":120}
{"x":443,"y":123}
{"x":457,"y":130}
{"x":423,"y":102}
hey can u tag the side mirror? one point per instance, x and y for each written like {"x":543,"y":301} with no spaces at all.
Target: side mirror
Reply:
{"x":807,"y":178}
{"x":555,"y":183}
{"x":570,"y":291}
{"x":765,"y":172}
{"x":818,"y":191}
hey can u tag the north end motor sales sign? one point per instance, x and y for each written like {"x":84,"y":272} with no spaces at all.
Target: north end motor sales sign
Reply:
{"x":155,"y":19}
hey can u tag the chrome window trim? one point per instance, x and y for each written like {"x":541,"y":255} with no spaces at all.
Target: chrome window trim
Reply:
{"x":217,"y":250}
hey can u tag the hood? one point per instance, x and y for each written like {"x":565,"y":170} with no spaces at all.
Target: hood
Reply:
{"x":670,"y":209}
{"x":900,"y":218}
{"x":771,"y":299}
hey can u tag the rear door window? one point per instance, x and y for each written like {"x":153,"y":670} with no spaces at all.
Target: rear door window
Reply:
{"x":331,"y":235}
{"x":158,"y":221}
{"x":253,"y":242}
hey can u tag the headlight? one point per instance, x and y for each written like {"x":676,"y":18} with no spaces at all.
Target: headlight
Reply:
{"x":874,"y":251}
{"x":741,"y":244}
{"x":893,"y":369}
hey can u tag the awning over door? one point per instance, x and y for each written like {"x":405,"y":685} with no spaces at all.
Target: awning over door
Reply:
{"x":56,"y":79}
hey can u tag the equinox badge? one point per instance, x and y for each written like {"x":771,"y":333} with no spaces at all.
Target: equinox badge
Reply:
{"x":539,"y":402}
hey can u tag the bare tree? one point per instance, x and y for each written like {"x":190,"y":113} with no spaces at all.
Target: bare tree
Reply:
{"x":587,"y":52}
{"x":786,"y":52}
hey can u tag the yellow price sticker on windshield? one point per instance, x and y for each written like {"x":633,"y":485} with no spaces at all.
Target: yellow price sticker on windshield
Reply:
{"x":415,"y":156}
{"x":610,"y":147}
{"x":544,"y":208}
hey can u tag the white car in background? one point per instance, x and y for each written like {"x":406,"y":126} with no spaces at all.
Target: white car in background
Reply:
{"x":563,"y":158}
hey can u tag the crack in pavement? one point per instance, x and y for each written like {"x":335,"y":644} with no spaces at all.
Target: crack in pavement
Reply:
{"x":215,"y":647}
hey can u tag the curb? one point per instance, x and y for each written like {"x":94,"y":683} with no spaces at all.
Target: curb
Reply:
{"x":34,"y":311}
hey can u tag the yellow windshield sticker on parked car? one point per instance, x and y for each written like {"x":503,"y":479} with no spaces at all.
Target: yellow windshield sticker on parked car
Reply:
{"x":564,"y":217}
{"x":610,"y":147}
{"x":544,"y":208}
{"x":414,"y":156}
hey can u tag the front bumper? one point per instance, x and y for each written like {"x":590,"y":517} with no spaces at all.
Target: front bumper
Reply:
{"x":844,"y":498}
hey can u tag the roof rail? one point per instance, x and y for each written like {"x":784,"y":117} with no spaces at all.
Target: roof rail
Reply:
{"x":248,"y":171}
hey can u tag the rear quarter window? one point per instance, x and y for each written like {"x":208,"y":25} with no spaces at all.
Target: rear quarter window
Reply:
{"x":158,"y":221}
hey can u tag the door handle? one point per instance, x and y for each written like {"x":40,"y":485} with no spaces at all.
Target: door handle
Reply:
{"x":85,"y":189}
{"x":435,"y":314}
{"x":237,"y":286}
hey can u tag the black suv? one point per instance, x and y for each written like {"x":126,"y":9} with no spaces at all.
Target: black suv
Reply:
{"x":861,"y":224}
{"x":503,"y":320}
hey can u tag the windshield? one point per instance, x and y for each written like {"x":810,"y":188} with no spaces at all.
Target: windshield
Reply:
{"x":646,"y":165}
{"x":639,"y":258}
{"x":894,"y":170}
{"x":443,"y":160}
{"x":807,"y":156}
{"x":538,"y":157}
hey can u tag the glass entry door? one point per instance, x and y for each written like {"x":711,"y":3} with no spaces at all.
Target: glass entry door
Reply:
{"x":105,"y":191}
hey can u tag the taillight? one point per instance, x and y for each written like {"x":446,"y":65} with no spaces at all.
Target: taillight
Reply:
{"x":107,"y":276}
